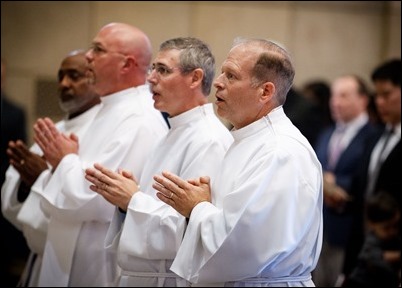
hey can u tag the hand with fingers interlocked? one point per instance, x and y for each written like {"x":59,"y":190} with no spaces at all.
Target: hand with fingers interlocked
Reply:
{"x":55,"y":145}
{"x":116,"y":188}
{"x":28,"y":164}
{"x":182,"y":195}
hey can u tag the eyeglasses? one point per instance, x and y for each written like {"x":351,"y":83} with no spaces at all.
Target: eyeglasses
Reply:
{"x":98,"y":50}
{"x":161,"y":69}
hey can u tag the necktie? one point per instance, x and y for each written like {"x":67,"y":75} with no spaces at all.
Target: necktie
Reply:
{"x":336,"y":147}
{"x":380,"y":159}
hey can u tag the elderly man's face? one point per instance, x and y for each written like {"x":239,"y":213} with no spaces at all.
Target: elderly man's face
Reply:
{"x":236,"y":99}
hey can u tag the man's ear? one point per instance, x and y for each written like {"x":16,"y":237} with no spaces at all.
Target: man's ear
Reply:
{"x":197,"y":76}
{"x":267,"y":92}
{"x":129,"y":62}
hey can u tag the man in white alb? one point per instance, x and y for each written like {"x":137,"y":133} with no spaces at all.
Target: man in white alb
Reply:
{"x":122,"y":135}
{"x":181,"y":78}
{"x":29,"y":172}
{"x":263,"y":225}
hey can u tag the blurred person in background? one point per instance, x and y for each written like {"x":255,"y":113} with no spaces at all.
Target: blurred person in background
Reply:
{"x":381,"y":163}
{"x":301,"y":112}
{"x":340,"y":150}
{"x":318,"y":92}
{"x":13,"y":127}
{"x":379,"y":261}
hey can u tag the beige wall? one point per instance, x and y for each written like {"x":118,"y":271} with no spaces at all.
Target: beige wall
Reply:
{"x":325,"y":38}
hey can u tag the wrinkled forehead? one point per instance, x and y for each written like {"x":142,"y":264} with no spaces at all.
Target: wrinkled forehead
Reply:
{"x":168,"y":56}
{"x":243,"y":56}
{"x":110,"y":37}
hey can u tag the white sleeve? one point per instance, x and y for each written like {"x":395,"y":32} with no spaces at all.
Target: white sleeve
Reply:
{"x":154,"y":230}
{"x":10,"y":206}
{"x":266,"y":220}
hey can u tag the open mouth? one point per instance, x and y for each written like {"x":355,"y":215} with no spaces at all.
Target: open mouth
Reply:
{"x":154,"y":93}
{"x":218,"y":99}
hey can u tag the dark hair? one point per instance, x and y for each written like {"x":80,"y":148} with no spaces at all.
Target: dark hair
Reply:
{"x":381,"y":207}
{"x":390,"y":70}
{"x":319,"y":91}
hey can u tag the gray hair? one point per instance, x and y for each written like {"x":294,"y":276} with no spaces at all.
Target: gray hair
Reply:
{"x":274,"y":65}
{"x":76,"y":52}
{"x":194,"y":54}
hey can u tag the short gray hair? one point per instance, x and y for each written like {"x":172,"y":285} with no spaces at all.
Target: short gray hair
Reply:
{"x":194,"y":54}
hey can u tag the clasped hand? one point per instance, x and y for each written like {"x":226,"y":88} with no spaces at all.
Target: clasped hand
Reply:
{"x":116,"y":188}
{"x":55,"y":145}
{"x":182,"y":195}
{"x":28,"y":164}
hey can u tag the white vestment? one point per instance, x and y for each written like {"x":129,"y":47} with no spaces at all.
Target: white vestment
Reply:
{"x":152,"y":230}
{"x":121,"y":136}
{"x":264,"y":227}
{"x":28,"y":216}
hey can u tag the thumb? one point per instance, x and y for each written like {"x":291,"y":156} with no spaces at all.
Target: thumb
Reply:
{"x":127,"y":174}
{"x":74,"y":137}
{"x":205,"y":180}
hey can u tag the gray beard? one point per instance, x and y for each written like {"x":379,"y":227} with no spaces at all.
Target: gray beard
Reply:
{"x":69,"y":106}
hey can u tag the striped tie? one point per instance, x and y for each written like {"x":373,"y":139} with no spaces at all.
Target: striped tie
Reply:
{"x":336,"y":147}
{"x":380,"y":159}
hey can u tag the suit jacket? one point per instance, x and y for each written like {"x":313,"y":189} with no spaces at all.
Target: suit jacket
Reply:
{"x":13,"y":127}
{"x":338,"y":223}
{"x":388,"y":180}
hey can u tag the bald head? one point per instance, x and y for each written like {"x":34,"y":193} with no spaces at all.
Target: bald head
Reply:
{"x":271,"y":63}
{"x":128,"y":40}
{"x":119,"y":58}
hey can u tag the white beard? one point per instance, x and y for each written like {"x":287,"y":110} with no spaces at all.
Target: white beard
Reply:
{"x":72,"y":105}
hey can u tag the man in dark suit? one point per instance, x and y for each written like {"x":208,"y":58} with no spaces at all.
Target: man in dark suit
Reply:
{"x":381,"y":166}
{"x":339,"y":149}
{"x":13,"y":123}
{"x":15,"y":250}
